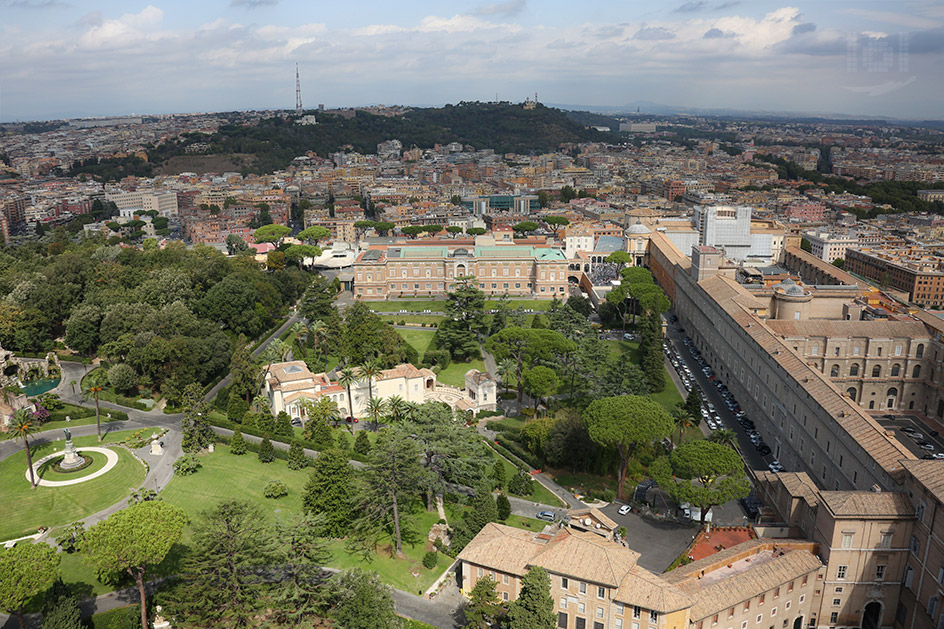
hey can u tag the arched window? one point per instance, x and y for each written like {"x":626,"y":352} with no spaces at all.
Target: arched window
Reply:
{"x":920,"y":351}
{"x":834,"y":371}
{"x":916,"y":372}
{"x":877,"y":371}
{"x":854,"y":369}
{"x":892,"y":392}
{"x":851,"y":392}
{"x":896,"y":369}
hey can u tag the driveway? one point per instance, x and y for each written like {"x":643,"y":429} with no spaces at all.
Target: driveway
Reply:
{"x":658,"y":542}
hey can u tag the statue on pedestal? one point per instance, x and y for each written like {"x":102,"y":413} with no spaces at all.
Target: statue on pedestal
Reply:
{"x":72,"y":459}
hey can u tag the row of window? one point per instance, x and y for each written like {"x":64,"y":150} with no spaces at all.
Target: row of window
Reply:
{"x":919,"y":351}
{"x":841,"y":575}
{"x":876,"y":371}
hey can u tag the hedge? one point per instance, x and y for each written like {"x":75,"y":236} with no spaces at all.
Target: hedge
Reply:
{"x":279,"y":454}
{"x":511,"y":456}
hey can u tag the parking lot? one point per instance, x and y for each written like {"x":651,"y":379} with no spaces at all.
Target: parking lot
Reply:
{"x":914,"y":434}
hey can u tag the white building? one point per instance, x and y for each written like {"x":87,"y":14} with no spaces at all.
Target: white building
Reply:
{"x":289,"y":385}
{"x":827,"y":246}
{"x":130,"y":203}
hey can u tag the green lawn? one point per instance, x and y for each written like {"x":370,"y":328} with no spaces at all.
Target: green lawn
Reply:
{"x":109,"y":394}
{"x":439,"y":305}
{"x":419,"y":339}
{"x":541,"y":493}
{"x":27,"y":508}
{"x":59,"y":425}
{"x":413,"y":319}
{"x":668,"y":397}
{"x":454,"y":374}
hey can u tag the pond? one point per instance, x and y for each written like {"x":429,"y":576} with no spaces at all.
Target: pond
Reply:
{"x":38,"y":387}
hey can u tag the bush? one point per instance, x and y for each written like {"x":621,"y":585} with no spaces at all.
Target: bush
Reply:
{"x":344,"y":441}
{"x":519,"y":452}
{"x":297,"y":459}
{"x":123,"y":377}
{"x":362,"y":443}
{"x":266,"y":451}
{"x":608,"y":495}
{"x":186,"y":465}
{"x":437,"y":357}
{"x":237,"y":445}
{"x":521,"y":484}
{"x":236,"y":409}
{"x":275,"y":489}
{"x":430,"y":560}
{"x":504,"y":507}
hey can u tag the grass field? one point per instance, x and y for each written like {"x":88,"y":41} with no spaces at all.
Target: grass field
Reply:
{"x":419,"y":339}
{"x":439,"y":305}
{"x":454,"y":374}
{"x":541,"y":493}
{"x":27,"y":508}
{"x":668,"y":397}
{"x":413,"y":319}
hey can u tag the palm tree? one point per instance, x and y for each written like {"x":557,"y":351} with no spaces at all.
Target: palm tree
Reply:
{"x":683,"y":420}
{"x":24,"y":425}
{"x":375,"y":408}
{"x":369,"y":370}
{"x":93,"y":390}
{"x":284,"y":348}
{"x":506,"y":369}
{"x":410,"y":409}
{"x":346,"y":378}
{"x":725,"y":437}
{"x":396,"y":407}
{"x":316,"y":332}
{"x":260,"y":404}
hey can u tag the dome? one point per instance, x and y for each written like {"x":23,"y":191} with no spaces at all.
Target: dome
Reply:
{"x":638,"y":228}
{"x":795,"y":291}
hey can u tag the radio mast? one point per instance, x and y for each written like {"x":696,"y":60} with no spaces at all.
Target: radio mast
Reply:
{"x":298,"y":92}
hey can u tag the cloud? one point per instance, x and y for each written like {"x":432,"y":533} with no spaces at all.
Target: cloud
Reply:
{"x":35,"y":4}
{"x":691,"y":7}
{"x":253,"y":4}
{"x":717,"y":33}
{"x":806,"y":27}
{"x":892,"y":17}
{"x":509,"y":7}
{"x":130,"y":27}
{"x":654,"y":33}
{"x":728,"y":5}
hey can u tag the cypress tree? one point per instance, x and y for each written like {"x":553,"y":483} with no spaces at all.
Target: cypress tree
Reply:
{"x":237,"y":445}
{"x":266,"y":451}
{"x":504,"y":507}
{"x":296,"y":457}
{"x":534,"y":608}
{"x":328,"y":492}
{"x":362,"y":443}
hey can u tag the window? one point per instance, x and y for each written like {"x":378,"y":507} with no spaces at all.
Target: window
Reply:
{"x":581,"y":608}
{"x":760,"y":617}
{"x":837,"y":602}
{"x":773,"y":612}
{"x":834,"y":617}
{"x":601,"y":592}
{"x":581,"y":623}
{"x":847,"y":540}
{"x":714,"y":621}
{"x":731,"y":613}
{"x":598,"y":625}
{"x":787,"y":605}
{"x":582,"y":587}
{"x":619,"y":623}
{"x":898,"y":350}
{"x":505,"y":596}
{"x":619,"y":609}
{"x":802,"y":598}
{"x":815,"y":350}
{"x":896,"y":369}
{"x":915,"y":545}
{"x":909,"y":576}
{"x":744,"y":625}
{"x":916,"y":372}
{"x":841,"y":572}
{"x":563,"y":602}
{"x":932,"y":606}
{"x":879,"y":350}
{"x":564,"y":583}
{"x":481,"y":572}
{"x":919,"y":511}
{"x":920,"y":351}
{"x":880,"y":572}
{"x":834,"y":371}
{"x":886,"y":540}
{"x":653,"y":616}
{"x":505,"y":579}
{"x":877,"y":371}
{"x":762,"y":597}
{"x":637,"y":612}
{"x":599,"y":612}
{"x":563,"y":621}
{"x":838,"y":590}
{"x":855,"y":350}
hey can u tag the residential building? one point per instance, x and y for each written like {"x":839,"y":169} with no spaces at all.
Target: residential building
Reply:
{"x":830,"y":246}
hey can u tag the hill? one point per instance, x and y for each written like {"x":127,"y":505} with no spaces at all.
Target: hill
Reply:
{"x":272,"y":143}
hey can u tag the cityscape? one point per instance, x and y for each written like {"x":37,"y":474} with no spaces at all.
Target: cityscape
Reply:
{"x":609,"y":317}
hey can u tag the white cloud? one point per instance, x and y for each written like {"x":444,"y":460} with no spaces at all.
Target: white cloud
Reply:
{"x":126,"y":30}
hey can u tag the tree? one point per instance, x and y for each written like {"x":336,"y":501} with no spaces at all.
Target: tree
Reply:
{"x":275,"y":260}
{"x":370,"y":370}
{"x":504,"y":507}
{"x":525,"y":227}
{"x":376,"y":407}
{"x":23,"y":426}
{"x":25,"y":571}
{"x":134,"y":540}
{"x":82,"y":328}
{"x":266,"y":451}
{"x":540,"y":381}
{"x":484,"y":606}
{"x":555,"y":222}
{"x":93,"y":389}
{"x":805,"y":245}
{"x":328,"y":492}
{"x":362,"y":444}
{"x":393,"y":474}
{"x":534,"y":607}
{"x":71,"y":538}
{"x":360,"y":600}
{"x":197,"y":434}
{"x":297,"y":459}
{"x":454,"y":230}
{"x":682,"y":421}
{"x":498,"y":474}
{"x":525,"y":345}
{"x":693,"y":402}
{"x":624,"y":422}
{"x":271,"y":233}
{"x":346,"y":378}
{"x":314,"y":233}
{"x":544,"y":199}
{"x":476,"y":231}
{"x":703,"y":474}
{"x":221,"y":583}
{"x":123,"y":377}
{"x":61,"y":609}
{"x":466,"y":305}
{"x":621,"y":258}
{"x":725,"y":437}
{"x":301,"y":553}
{"x":235,"y":244}
{"x":317,"y":303}
{"x":839,"y":263}
{"x":237,"y":445}
{"x":567,"y":194}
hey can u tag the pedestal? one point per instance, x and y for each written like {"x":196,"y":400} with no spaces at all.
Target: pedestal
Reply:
{"x":72,"y":459}
{"x":156,"y":448}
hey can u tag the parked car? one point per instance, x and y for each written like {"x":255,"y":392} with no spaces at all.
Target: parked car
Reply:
{"x":624,"y":509}
{"x":546,"y":515}
{"x":351,"y":420}
{"x":764,"y":450}
{"x":926,"y":445}
{"x":775,"y":466}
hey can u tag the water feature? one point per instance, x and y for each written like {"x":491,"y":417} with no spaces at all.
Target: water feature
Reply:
{"x":38,"y":387}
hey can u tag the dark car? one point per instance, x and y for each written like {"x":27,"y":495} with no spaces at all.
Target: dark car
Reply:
{"x":546,"y":515}
{"x":764,"y":449}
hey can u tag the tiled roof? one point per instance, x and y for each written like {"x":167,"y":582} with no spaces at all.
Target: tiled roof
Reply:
{"x":650,"y":591}
{"x":868,"y":503}
{"x":930,"y":473}
{"x":844,"y":329}
{"x":501,"y":548}
{"x":586,"y":556}
{"x":289,"y":371}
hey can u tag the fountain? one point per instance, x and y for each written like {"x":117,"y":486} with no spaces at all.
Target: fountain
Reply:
{"x":71,"y":460}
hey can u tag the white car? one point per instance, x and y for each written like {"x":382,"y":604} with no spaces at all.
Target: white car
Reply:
{"x":775,"y":467}
{"x":624,"y":509}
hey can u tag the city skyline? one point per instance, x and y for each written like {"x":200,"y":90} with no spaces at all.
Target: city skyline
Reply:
{"x":61,"y":59}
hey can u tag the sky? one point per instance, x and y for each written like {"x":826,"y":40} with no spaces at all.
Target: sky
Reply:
{"x":71,"y":58}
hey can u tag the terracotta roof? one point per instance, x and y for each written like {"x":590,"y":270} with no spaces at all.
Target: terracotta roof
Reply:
{"x":930,"y":473}
{"x":827,"y":268}
{"x":844,"y":329}
{"x":290,"y":371}
{"x":291,"y":397}
{"x":867,"y":503}
{"x":650,"y":591}
{"x":501,"y":548}
{"x":594,"y":513}
{"x":800,"y":485}
{"x":586,"y":556}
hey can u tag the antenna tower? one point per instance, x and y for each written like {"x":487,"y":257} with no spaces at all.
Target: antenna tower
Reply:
{"x":298,"y":92}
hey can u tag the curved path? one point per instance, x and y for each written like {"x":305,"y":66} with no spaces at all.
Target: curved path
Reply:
{"x":110,"y":455}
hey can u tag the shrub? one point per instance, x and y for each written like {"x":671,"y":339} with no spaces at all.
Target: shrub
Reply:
{"x":275,"y":489}
{"x":123,"y":377}
{"x":521,"y":484}
{"x":344,"y":441}
{"x":237,"y":444}
{"x":608,"y":495}
{"x":266,"y":451}
{"x":362,"y":443}
{"x":297,"y":459}
{"x":504,"y":507}
{"x":430,"y":560}
{"x":186,"y":465}
{"x":236,"y":409}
